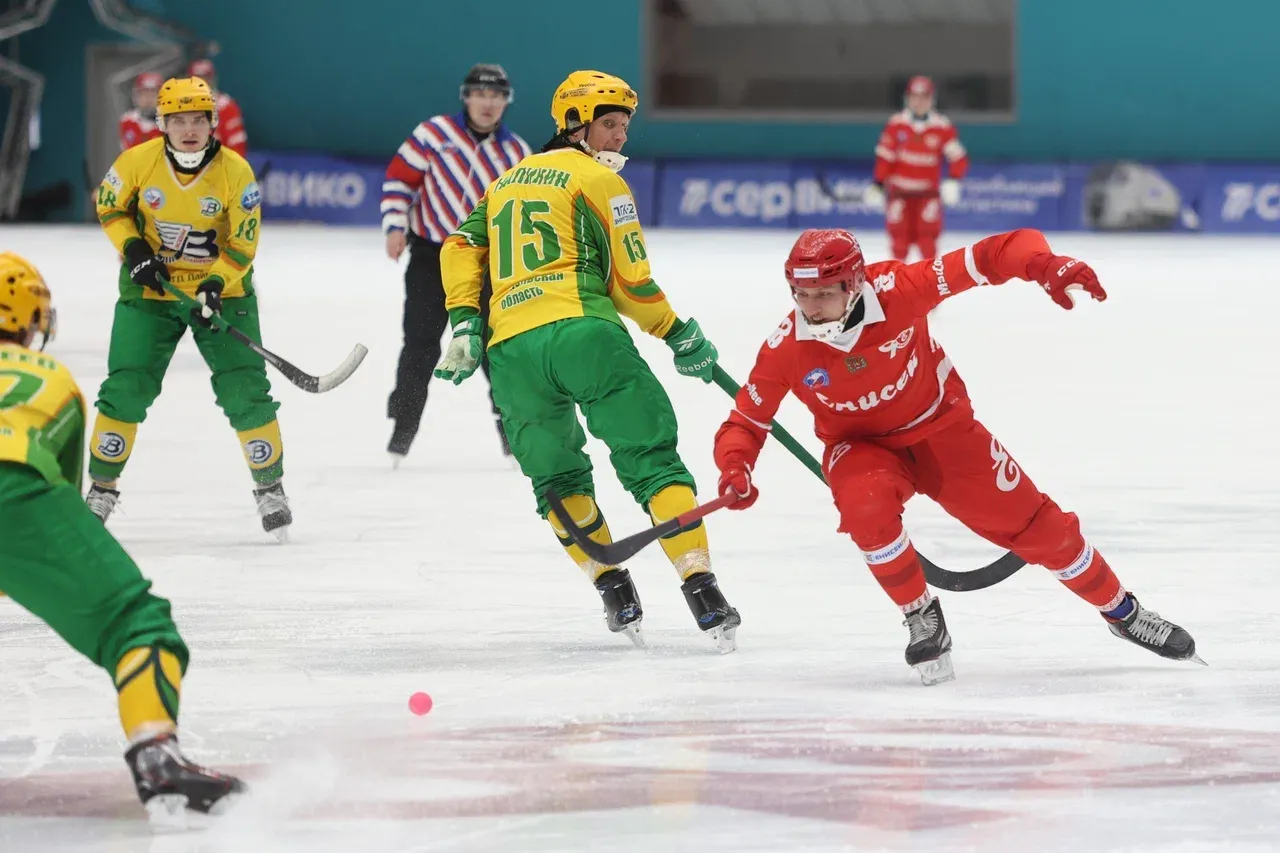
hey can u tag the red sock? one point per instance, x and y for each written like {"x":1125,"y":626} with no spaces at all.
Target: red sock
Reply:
{"x":1089,"y":577}
{"x":897,"y":569}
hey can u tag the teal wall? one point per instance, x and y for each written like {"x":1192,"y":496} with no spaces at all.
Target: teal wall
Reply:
{"x":57,"y":51}
{"x":1097,"y":79}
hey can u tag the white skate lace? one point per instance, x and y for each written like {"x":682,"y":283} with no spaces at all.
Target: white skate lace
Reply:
{"x":101,"y":503}
{"x":271,"y":501}
{"x":1150,"y":628}
{"x":922,"y":624}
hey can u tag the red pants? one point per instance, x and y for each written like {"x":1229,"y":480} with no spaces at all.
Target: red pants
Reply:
{"x":970,"y":475}
{"x":913,"y":220}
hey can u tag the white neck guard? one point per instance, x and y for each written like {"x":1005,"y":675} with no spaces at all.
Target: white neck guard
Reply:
{"x":187,"y":159}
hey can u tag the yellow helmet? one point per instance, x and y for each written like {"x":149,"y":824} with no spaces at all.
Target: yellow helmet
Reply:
{"x":24,"y":297}
{"x":583,"y":92}
{"x":183,"y":95}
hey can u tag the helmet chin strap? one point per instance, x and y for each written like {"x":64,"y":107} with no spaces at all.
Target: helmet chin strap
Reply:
{"x":832,"y":329}
{"x":186,"y":159}
{"x":611,"y":160}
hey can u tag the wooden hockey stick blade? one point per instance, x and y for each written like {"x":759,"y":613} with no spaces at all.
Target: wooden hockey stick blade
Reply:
{"x":624,"y":549}
{"x":832,"y":193}
{"x":299,"y":377}
{"x":971,"y":581}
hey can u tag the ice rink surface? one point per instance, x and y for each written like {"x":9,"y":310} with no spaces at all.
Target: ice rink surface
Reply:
{"x":1152,"y":416}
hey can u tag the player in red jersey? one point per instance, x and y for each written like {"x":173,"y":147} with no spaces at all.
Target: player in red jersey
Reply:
{"x":139,"y":123}
{"x":896,"y":420}
{"x":909,"y":159}
{"x":230,"y":128}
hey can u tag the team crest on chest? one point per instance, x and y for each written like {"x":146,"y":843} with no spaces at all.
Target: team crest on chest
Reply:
{"x":153,"y":197}
{"x":817,"y":378}
{"x":855,"y":363}
{"x":900,"y":342}
{"x":210,"y":206}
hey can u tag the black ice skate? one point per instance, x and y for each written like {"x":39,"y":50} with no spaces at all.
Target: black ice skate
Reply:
{"x":929,"y":648}
{"x":1153,"y":632}
{"x":622,"y":611}
{"x":101,"y":501}
{"x":273,"y":507}
{"x":170,"y":785}
{"x":715,"y":617}
{"x":398,"y":447}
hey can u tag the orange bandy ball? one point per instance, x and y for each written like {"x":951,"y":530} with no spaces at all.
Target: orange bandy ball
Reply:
{"x":420,"y":703}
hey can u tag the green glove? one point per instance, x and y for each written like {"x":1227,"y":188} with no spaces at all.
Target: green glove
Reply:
{"x":463,"y":356}
{"x":695,"y":355}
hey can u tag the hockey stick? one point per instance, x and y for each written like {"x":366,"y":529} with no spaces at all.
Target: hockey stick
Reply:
{"x":938,"y":577}
{"x":832,"y":192}
{"x":624,"y":549}
{"x":304,"y":380}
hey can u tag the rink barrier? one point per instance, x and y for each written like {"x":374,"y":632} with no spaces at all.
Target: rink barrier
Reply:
{"x":793,"y":195}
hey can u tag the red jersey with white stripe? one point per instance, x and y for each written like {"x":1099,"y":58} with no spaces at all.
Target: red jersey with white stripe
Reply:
{"x":230,"y":130}
{"x":441,"y":172}
{"x":911,"y":150}
{"x":136,"y":127}
{"x":884,"y":379}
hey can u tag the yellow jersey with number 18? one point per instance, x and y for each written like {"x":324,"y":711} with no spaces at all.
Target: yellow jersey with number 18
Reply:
{"x":41,"y":415}
{"x":202,"y":226}
{"x":559,"y":237}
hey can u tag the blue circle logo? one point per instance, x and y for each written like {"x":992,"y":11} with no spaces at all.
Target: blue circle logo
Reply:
{"x":817,"y":378}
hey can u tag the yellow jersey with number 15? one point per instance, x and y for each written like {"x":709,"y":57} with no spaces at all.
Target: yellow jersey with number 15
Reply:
{"x":559,"y":237}
{"x":202,"y":226}
{"x":41,"y":415}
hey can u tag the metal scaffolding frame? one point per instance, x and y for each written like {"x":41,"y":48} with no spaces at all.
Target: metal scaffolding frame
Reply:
{"x":26,"y":89}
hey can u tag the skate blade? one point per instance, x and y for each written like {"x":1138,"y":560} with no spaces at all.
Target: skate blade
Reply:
{"x":396,"y":460}
{"x":936,"y":671}
{"x":167,"y":813}
{"x":281,"y":534}
{"x":225,"y":805}
{"x":635,"y":634}
{"x":726,"y":639}
{"x":1195,"y":658}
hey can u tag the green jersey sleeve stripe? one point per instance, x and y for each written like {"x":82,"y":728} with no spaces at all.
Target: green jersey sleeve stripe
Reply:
{"x":240,"y":259}
{"x":64,"y":424}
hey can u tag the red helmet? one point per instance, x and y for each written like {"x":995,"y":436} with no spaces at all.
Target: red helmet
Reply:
{"x":148,"y":80}
{"x":920,"y":85}
{"x":202,"y":68}
{"x":823,"y":256}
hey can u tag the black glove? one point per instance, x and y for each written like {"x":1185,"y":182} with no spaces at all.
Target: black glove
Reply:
{"x":209,"y":293}
{"x":145,"y":269}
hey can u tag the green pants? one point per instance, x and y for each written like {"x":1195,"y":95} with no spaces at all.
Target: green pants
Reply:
{"x":61,"y":564}
{"x":538,"y":377}
{"x":145,"y":334}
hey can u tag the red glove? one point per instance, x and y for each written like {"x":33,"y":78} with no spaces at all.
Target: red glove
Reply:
{"x":1059,"y":274}
{"x":735,"y":477}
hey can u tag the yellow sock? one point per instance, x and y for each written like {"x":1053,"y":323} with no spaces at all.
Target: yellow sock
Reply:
{"x":687,"y":548}
{"x":264,"y":451}
{"x":110,"y":446}
{"x":148,"y":684}
{"x":587,"y":515}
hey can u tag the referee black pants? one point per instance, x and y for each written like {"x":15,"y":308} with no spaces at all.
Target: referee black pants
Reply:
{"x":425,"y":321}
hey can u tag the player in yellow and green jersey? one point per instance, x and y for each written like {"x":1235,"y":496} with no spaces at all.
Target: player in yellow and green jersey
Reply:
{"x":182,"y":208}
{"x":561,"y":241}
{"x":58,"y":562}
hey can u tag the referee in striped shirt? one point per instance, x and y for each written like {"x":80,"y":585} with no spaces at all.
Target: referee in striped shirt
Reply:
{"x":437,"y":176}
